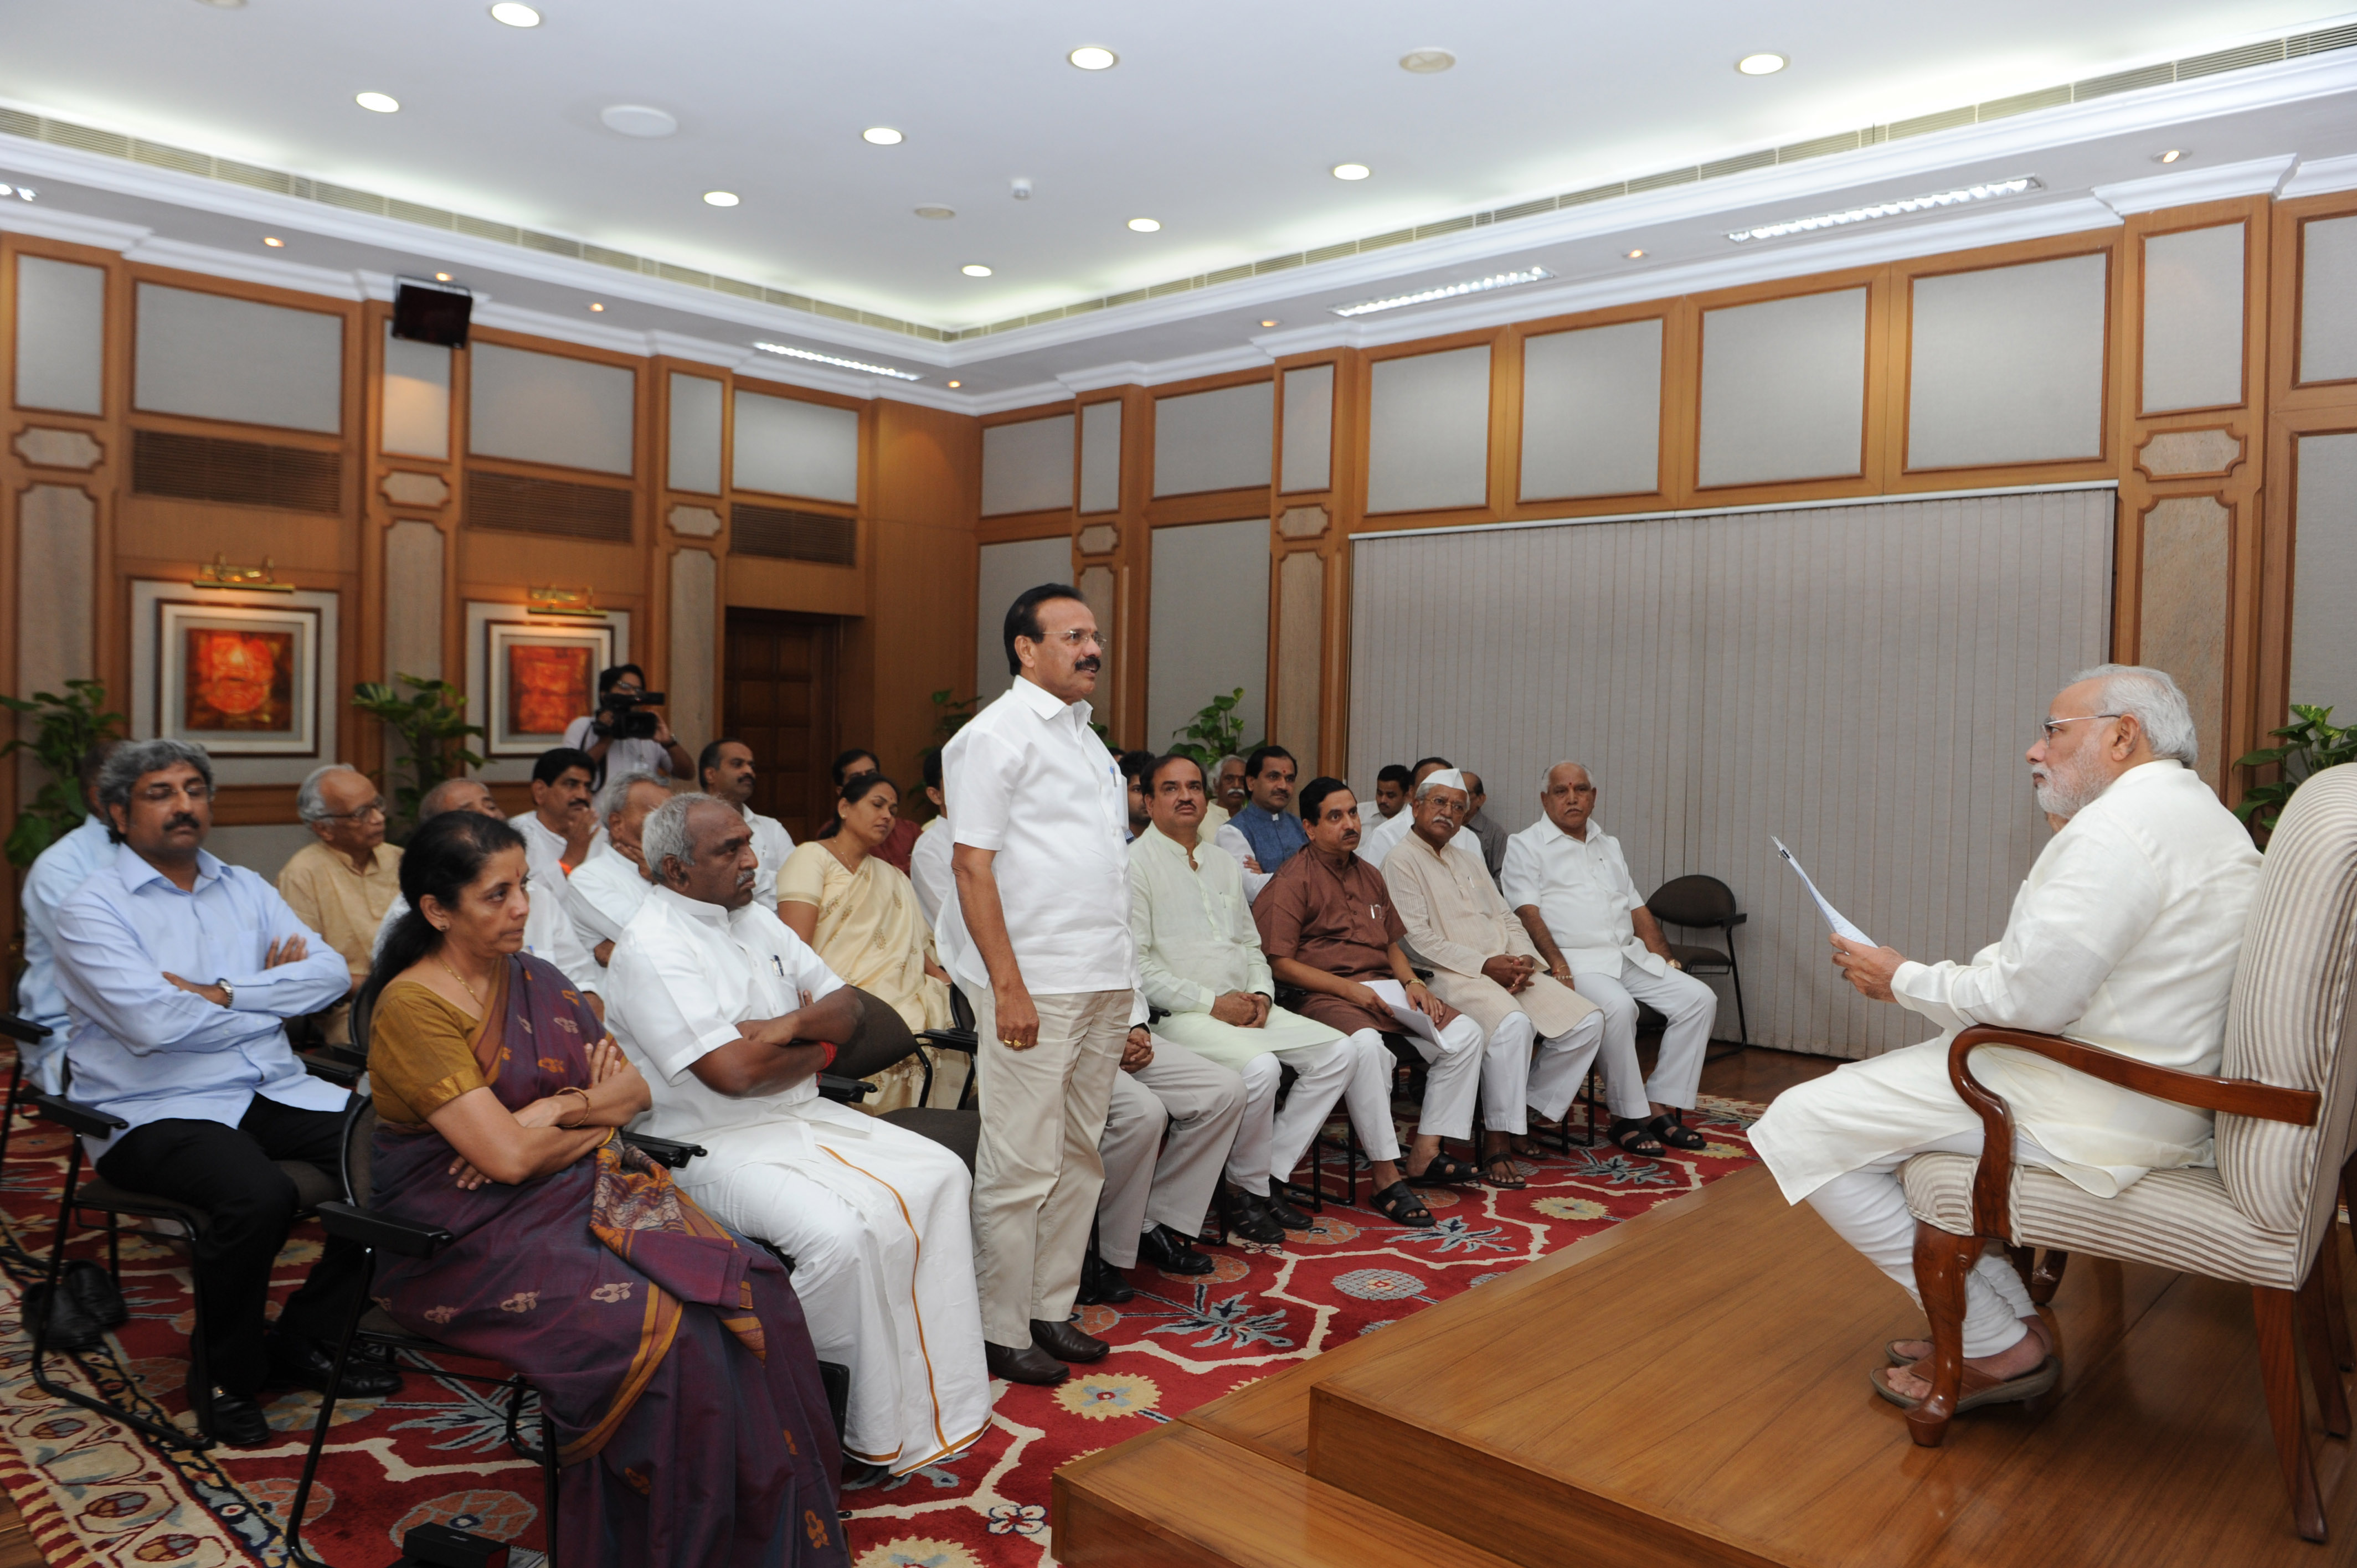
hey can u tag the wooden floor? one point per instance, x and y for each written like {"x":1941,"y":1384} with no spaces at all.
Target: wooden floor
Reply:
{"x":1689,"y":1389}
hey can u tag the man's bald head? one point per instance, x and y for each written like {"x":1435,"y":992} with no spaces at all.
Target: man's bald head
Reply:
{"x":459,"y":795}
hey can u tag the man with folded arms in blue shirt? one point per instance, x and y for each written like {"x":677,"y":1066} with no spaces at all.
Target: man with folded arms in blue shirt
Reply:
{"x":180,"y":973}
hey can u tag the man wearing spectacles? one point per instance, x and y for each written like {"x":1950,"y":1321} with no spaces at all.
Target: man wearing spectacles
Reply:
{"x":342,"y":885}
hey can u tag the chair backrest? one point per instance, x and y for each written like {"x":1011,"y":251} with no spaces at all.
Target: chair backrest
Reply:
{"x":1692,"y":902}
{"x":363,"y":1010}
{"x":882,"y":1039}
{"x":961,"y":1010}
{"x":2288,"y":1020}
{"x":360,"y":1150}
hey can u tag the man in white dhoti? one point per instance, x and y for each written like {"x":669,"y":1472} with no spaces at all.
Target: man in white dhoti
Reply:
{"x":725,"y":1011}
{"x":2124,"y":934}
{"x":1542,"y":1036}
{"x":1199,"y":961}
{"x":1566,"y":879}
{"x":602,"y":895}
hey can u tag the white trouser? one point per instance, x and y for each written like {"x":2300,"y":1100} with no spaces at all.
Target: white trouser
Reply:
{"x":1150,"y":1180}
{"x":1455,"y":1055}
{"x":1690,"y":1008}
{"x":1546,"y":1080}
{"x":1868,"y":1208}
{"x":1356,"y":1070}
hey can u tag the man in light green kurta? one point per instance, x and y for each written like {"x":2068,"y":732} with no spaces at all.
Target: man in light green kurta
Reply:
{"x":1199,"y":961}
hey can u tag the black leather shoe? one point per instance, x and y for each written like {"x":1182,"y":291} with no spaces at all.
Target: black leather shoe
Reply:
{"x":70,"y":1327}
{"x":92,"y":1288}
{"x":1100,"y":1283}
{"x":860,"y":1473}
{"x":1028,"y":1365}
{"x":1249,"y":1218}
{"x":1065,"y":1341}
{"x":1166,"y":1249}
{"x":1284,"y":1213}
{"x":294,"y":1360}
{"x":238,"y":1421}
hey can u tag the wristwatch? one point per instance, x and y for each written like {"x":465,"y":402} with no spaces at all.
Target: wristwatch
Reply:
{"x":229,"y":993}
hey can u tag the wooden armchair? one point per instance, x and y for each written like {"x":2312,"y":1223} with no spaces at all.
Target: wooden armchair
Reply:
{"x":2262,"y":1216}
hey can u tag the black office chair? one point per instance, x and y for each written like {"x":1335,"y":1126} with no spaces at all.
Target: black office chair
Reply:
{"x":1705,"y":903}
{"x":25,"y":1032}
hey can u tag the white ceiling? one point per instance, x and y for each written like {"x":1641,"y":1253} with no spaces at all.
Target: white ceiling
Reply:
{"x":1220,"y":121}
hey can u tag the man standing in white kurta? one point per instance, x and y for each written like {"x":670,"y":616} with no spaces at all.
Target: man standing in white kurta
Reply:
{"x":2124,"y":935}
{"x":724,"y":1010}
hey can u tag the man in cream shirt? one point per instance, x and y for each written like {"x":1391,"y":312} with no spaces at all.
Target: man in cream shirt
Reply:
{"x":2124,"y":934}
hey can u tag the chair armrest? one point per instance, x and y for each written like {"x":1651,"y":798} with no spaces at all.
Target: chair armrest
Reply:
{"x":337,"y":1067}
{"x":843,"y":1091}
{"x":669,"y":1152}
{"x":371,"y":1228}
{"x":1993,"y":1181}
{"x":24,"y":1029}
{"x":950,"y":1039}
{"x":79,"y":1119}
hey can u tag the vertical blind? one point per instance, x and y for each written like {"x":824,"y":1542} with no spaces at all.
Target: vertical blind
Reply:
{"x":1860,"y":680}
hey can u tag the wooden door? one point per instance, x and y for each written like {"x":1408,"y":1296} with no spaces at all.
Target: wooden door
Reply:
{"x":778,"y":698}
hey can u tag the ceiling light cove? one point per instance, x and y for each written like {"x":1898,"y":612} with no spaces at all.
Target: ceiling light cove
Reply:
{"x":1269,"y":321}
{"x":1093,"y":56}
{"x":2170,"y":156}
{"x":937,"y":214}
{"x":1447,"y":291}
{"x":720,"y":199}
{"x":377,"y":102}
{"x":975,"y":270}
{"x":1634,"y":255}
{"x":954,"y":385}
{"x":1427,"y":62}
{"x":1352,"y":171}
{"x":596,"y":307}
{"x":441,"y":277}
{"x":638,"y":120}
{"x":793,"y":353}
{"x":1961,"y":196}
{"x":274,"y":241}
{"x":514,"y":15}
{"x":882,"y":137}
{"x":1145,"y":225}
{"x":1761,"y":64}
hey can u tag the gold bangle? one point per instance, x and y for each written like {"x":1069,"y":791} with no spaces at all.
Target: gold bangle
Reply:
{"x":573,"y":1089}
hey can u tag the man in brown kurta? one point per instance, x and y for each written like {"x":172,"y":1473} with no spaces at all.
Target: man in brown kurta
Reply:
{"x":342,"y":885}
{"x":1482,"y":961}
{"x":1327,"y":926}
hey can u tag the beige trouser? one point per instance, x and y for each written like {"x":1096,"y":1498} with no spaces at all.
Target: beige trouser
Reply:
{"x":1035,"y":1172}
{"x":1153,"y":1180}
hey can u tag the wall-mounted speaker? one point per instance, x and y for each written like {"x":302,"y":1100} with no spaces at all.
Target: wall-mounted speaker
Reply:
{"x":426,"y":311}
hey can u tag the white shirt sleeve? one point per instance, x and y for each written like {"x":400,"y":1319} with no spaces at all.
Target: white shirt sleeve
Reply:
{"x":1232,"y":838}
{"x":1520,"y":880}
{"x":670,"y":1011}
{"x":981,"y":778}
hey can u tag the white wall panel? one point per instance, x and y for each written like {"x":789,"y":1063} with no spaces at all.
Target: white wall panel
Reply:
{"x":788,"y":448}
{"x":212,"y":357}
{"x":1207,"y":626}
{"x":550,"y":408}
{"x":2324,"y":574}
{"x":1101,"y":457}
{"x":2193,"y":318}
{"x":60,"y":336}
{"x":416,"y":397}
{"x":1783,"y":389}
{"x":694,"y":444}
{"x":1309,"y":460}
{"x":1003,"y":572}
{"x":1428,"y":431}
{"x":1721,"y":674}
{"x":1215,"y":440}
{"x":1026,"y":466}
{"x":1592,"y":412}
{"x":2006,"y":365}
{"x":2328,"y":300}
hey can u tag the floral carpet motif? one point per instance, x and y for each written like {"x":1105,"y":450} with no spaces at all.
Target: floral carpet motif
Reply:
{"x":91,"y":1493}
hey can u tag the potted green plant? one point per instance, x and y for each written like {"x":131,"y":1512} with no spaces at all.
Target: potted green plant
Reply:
{"x":65,"y":727}
{"x":430,"y":723}
{"x":1214,"y":732}
{"x":2311,"y":745}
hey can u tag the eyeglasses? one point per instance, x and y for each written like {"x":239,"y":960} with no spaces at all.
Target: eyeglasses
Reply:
{"x":2051,"y":729}
{"x":1073,"y":639}
{"x":373,"y":812}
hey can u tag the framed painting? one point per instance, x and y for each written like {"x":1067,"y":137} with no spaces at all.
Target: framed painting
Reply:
{"x":239,"y":680}
{"x":541,"y":677}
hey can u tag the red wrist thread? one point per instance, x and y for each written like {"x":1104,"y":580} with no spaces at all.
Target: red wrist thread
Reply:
{"x":828,"y":1060}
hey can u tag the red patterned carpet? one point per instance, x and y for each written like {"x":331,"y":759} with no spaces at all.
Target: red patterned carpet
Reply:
{"x":91,"y":1493}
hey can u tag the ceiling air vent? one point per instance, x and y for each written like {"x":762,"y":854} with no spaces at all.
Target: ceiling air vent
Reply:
{"x":522,"y":504}
{"x":784,"y":534}
{"x":239,"y":473}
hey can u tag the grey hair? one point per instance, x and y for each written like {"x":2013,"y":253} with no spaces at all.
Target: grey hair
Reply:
{"x":310,"y":800}
{"x":2151,"y":698}
{"x":436,"y":801}
{"x":666,"y":836}
{"x":1547,"y":775}
{"x":133,"y":759}
{"x":1221,"y":765}
{"x":614,"y":798}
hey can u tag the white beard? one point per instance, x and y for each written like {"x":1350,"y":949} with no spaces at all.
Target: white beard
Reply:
{"x":2066,"y":792}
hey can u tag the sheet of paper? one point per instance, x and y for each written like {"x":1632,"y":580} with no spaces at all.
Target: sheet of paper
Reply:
{"x":1834,"y":917}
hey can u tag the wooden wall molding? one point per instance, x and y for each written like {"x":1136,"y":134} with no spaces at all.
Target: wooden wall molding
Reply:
{"x":402,"y":487}
{"x":43,"y":446}
{"x":2204,"y":451}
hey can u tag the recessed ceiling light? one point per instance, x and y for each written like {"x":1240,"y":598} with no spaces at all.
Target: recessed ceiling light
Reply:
{"x":1271,"y":321}
{"x":956,"y":383}
{"x":793,"y":353}
{"x":22,"y":192}
{"x":975,"y":270}
{"x":1632,"y":255}
{"x":1762,"y":65}
{"x":1092,"y":57}
{"x":2170,"y":156}
{"x":441,"y":277}
{"x":1352,"y":171}
{"x":274,"y":241}
{"x":638,"y":120}
{"x":1426,"y":61}
{"x":515,"y":15}
{"x":882,"y":137}
{"x":1145,"y":225}
{"x":936,"y":213}
{"x":1961,"y":196}
{"x":720,"y":199}
{"x":1445,"y":291}
{"x":377,"y":102}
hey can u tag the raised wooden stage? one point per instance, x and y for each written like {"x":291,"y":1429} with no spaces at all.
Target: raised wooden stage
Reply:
{"x":1689,"y":1387}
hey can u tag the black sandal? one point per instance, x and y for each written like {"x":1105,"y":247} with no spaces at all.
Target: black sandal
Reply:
{"x":1445,"y":1170}
{"x":1511,"y":1182}
{"x":1635,"y":1137}
{"x":1399,"y":1204}
{"x":1677,"y":1135}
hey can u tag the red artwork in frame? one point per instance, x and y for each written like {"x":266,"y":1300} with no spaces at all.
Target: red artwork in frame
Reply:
{"x":239,"y":680}
{"x":548,"y":687}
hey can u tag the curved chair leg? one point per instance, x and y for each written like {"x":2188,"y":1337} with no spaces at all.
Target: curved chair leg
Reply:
{"x":2279,"y":1366}
{"x":1942,"y":1264}
{"x":2046,"y":1278}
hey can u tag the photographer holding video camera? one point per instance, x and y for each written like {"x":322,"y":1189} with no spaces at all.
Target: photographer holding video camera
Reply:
{"x":627,"y":732}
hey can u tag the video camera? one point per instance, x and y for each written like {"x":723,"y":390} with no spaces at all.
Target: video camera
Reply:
{"x":620,"y":716}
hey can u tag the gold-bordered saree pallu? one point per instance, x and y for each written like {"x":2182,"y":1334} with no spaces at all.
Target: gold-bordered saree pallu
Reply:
{"x":671,"y":1353}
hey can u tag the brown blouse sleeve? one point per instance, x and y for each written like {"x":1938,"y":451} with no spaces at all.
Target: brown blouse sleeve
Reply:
{"x":419,"y":1055}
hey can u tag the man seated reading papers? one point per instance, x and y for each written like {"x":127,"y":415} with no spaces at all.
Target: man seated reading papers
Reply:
{"x":727,"y":1013}
{"x":1482,"y":961}
{"x":2124,"y":935}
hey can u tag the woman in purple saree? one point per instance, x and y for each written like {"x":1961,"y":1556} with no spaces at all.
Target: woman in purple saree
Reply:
{"x":671,"y":1353}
